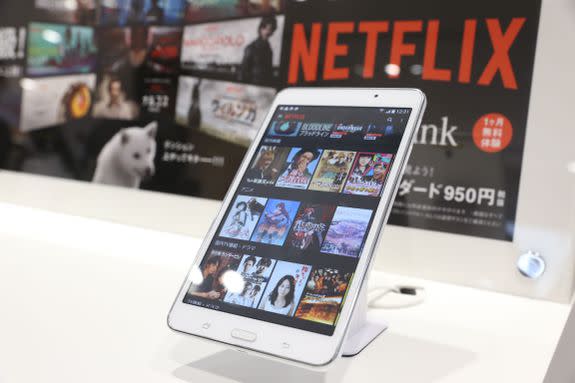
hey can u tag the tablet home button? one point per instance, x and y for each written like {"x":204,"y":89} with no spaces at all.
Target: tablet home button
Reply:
{"x":244,"y":335}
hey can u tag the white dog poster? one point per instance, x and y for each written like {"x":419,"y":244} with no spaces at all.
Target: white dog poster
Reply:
{"x":128,"y":157}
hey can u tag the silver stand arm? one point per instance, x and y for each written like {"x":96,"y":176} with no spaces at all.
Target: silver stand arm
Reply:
{"x":361,"y":331}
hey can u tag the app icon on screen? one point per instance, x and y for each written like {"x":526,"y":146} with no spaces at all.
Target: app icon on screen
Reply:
{"x":285,"y":128}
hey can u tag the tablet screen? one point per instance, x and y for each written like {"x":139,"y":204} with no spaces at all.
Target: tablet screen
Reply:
{"x":288,"y":246}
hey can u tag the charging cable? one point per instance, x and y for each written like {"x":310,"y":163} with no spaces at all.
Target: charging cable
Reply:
{"x":395,"y":297}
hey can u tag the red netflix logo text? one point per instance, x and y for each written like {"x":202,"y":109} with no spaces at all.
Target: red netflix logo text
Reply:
{"x":305,"y":50}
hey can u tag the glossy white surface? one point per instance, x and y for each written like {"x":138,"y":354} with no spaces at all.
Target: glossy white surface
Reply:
{"x":86,"y":301}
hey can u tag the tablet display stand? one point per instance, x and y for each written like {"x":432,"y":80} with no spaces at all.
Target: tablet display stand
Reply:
{"x":361,"y":331}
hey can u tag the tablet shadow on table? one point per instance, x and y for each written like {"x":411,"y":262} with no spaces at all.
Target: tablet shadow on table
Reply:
{"x":394,"y":357}
{"x":245,"y":368}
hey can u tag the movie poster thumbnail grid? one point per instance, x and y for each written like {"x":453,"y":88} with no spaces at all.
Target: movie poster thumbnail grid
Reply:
{"x":307,"y":228}
{"x":284,"y":288}
{"x":334,"y":171}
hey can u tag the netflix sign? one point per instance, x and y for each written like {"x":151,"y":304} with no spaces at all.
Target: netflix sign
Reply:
{"x":305,"y":50}
{"x":473,"y":60}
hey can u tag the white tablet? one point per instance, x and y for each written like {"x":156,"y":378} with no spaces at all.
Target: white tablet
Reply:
{"x":281,"y":267}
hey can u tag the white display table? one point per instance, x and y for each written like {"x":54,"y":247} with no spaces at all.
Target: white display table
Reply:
{"x":84,"y":300}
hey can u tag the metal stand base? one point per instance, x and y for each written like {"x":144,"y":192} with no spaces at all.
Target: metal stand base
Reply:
{"x":362,"y":331}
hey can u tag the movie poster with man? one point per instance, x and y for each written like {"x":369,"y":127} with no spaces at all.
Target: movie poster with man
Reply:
{"x":255,"y":272}
{"x":266,"y":167}
{"x":246,"y":50}
{"x":212,"y":284}
{"x":299,"y":167}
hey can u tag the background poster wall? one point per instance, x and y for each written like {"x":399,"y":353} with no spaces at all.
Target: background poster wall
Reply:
{"x":191,"y":81}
